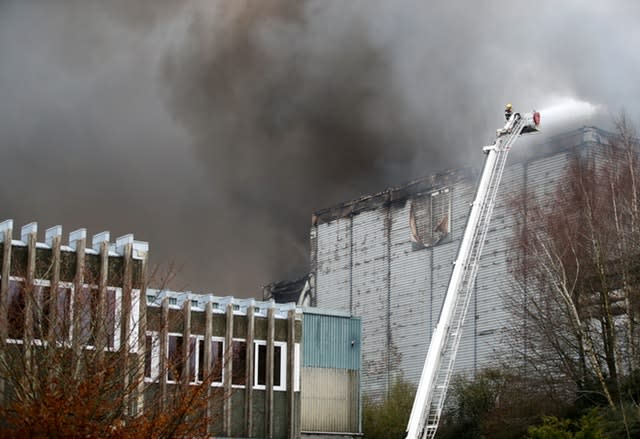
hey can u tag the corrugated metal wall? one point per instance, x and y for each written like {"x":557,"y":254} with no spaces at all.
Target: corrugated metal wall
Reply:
{"x":330,"y":375}
{"x":333,"y":275}
{"x":410,"y":298}
{"x":370,"y":293}
{"x":330,"y":341}
{"x":398,"y":291}
{"x":330,"y":400}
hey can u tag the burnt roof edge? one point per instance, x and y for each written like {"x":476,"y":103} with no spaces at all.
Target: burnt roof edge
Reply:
{"x":397,"y":194}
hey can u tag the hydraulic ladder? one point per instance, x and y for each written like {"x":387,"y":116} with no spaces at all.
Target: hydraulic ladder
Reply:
{"x":438,"y":366}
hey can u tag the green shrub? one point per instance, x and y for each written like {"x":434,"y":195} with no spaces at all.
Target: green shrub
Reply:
{"x":588,"y":426}
{"x":388,"y":419}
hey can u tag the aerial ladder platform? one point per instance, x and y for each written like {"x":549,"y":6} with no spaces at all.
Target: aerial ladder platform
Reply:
{"x":438,"y":366}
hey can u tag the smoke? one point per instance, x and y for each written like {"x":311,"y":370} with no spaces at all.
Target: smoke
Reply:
{"x":214,"y":128}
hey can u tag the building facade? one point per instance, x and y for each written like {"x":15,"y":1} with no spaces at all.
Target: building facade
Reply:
{"x":246,"y":362}
{"x":388,"y":258}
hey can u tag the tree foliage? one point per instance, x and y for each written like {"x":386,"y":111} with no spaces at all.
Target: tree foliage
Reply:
{"x":387,"y":419}
{"x":492,"y":404}
{"x":587,"y":427}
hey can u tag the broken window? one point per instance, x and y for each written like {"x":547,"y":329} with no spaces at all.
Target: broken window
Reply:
{"x":430,"y":218}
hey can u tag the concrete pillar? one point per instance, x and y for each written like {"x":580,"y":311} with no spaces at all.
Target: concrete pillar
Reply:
{"x":290,"y":368}
{"x":249,"y":373}
{"x":100,"y":242}
{"x":208,"y":372}
{"x":124,"y":247}
{"x":186,"y":339}
{"x":269,"y":373}
{"x":28,"y":234}
{"x":141,"y":249}
{"x":6,"y":236}
{"x":164,"y":342}
{"x":53,"y":238}
{"x":228,"y":373}
{"x":77,"y":241}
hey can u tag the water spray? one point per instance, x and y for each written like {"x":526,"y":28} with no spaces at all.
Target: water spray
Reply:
{"x":563,"y":110}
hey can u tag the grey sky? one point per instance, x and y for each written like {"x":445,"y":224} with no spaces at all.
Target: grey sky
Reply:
{"x":214,"y":128}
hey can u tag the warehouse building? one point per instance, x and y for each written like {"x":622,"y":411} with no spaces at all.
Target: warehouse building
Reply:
{"x":388,"y":257}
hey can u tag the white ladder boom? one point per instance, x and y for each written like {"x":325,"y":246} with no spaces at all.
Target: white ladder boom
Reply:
{"x":438,"y":366}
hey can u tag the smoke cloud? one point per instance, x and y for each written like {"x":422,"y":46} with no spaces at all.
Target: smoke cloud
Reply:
{"x":213,"y":129}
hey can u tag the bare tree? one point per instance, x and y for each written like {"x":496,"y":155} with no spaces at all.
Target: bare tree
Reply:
{"x":577,"y":271}
{"x":76,"y":371}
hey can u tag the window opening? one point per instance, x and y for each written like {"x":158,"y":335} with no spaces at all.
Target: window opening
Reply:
{"x":85,"y":305}
{"x":430,"y":218}
{"x":192,"y":358}
{"x":239,"y":358}
{"x":41,"y":311}
{"x":215,"y":368}
{"x":62,"y":327}
{"x":110,"y":317}
{"x":279,"y":373}
{"x":175,"y":361}
{"x":16,"y":306}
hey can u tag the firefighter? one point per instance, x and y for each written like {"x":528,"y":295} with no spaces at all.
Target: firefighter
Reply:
{"x":508,"y":111}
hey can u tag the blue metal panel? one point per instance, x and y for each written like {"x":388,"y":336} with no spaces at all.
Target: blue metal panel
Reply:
{"x":330,"y":341}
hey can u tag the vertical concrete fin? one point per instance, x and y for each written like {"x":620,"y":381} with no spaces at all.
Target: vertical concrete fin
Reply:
{"x":77,"y":236}
{"x":186,"y":340}
{"x":28,"y":230}
{"x":291,"y":370}
{"x":6,"y":226}
{"x":122,"y":242}
{"x":99,"y":239}
{"x":248,"y":403}
{"x":269,"y":371}
{"x":51,"y":233}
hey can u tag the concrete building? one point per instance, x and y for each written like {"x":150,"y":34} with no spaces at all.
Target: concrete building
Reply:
{"x":270,"y":370}
{"x":387,"y":258}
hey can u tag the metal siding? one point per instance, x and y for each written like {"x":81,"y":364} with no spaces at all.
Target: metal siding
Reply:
{"x":409,"y":304}
{"x":329,"y":400}
{"x":463,"y":196}
{"x":543,"y":174}
{"x":334,"y":264}
{"x":419,"y":278}
{"x":488,"y":317}
{"x":331,"y":342}
{"x":370,"y":296}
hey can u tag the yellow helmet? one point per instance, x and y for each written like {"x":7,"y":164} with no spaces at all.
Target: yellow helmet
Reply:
{"x":508,"y":107}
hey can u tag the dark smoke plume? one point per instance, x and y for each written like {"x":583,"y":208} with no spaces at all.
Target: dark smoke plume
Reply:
{"x":214,"y":128}
{"x":284,"y":128}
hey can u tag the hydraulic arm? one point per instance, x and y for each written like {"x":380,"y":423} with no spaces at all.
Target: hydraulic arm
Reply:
{"x":438,"y":366}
